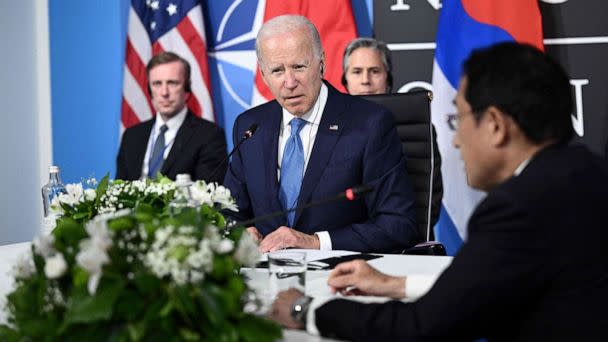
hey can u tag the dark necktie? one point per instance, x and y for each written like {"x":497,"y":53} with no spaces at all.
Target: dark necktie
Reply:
{"x":157,"y":158}
{"x":292,"y":169}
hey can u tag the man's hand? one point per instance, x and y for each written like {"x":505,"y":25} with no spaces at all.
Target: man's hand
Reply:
{"x":255,"y":234}
{"x":281,"y":309}
{"x":285,"y":237}
{"x":359,"y":278}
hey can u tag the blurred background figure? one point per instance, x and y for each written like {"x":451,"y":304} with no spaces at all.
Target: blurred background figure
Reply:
{"x":366,"y":67}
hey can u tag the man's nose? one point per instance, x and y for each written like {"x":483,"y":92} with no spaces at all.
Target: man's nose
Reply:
{"x":366,"y":77}
{"x":291,"y":81}
{"x":456,"y":140}
{"x":164,"y":89}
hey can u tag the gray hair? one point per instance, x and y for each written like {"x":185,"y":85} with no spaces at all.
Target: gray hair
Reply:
{"x":285,"y":24}
{"x":385,"y":56}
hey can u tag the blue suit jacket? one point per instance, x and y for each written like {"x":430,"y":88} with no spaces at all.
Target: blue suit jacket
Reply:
{"x":364,"y":149}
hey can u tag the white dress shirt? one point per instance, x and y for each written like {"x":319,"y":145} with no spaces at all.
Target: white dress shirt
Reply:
{"x":173,"y":125}
{"x":308,"y":133}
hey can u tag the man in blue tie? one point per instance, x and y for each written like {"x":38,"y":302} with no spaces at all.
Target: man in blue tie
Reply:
{"x":313,"y":142}
{"x":175,"y":140}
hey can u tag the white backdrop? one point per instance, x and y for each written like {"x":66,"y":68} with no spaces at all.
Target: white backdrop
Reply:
{"x":25,"y":144}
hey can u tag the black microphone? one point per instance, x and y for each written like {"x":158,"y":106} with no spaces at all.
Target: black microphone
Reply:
{"x":350,"y":194}
{"x":248,"y":134}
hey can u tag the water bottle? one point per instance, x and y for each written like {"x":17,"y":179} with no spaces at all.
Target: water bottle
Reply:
{"x":183,"y":196}
{"x":52,"y":189}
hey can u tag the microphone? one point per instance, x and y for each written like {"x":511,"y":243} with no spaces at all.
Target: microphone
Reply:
{"x":350,"y":194}
{"x":248,"y":134}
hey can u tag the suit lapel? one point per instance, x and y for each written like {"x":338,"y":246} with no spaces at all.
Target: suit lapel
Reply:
{"x":140,"y":146}
{"x":330,"y":128}
{"x":270,"y":154}
{"x":181,"y":139}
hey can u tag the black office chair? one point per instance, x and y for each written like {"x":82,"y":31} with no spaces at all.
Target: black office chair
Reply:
{"x":419,"y":141}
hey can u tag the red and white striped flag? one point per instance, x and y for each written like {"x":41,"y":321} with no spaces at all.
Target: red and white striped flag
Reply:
{"x":164,"y":25}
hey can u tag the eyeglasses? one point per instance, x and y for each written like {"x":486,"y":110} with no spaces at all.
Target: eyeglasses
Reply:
{"x":453,"y":119}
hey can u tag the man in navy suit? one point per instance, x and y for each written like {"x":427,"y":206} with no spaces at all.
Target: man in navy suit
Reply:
{"x":313,"y":142}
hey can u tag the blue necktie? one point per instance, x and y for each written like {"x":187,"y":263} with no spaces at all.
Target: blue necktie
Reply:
{"x":292,"y":169}
{"x":158,"y":151}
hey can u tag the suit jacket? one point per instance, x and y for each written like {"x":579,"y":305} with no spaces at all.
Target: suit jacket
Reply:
{"x":534,"y":267}
{"x":199,"y":147}
{"x":356,"y":143}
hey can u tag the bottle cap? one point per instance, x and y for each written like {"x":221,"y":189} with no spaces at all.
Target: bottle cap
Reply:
{"x":54,"y":169}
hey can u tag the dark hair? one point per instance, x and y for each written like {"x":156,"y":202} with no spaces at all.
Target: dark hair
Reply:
{"x":165,"y":58}
{"x":385,"y":56}
{"x":524,"y":83}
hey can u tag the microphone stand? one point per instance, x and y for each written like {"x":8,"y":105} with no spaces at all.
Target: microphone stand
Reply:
{"x":248,"y":134}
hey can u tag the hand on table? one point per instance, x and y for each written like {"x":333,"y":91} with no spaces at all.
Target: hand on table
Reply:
{"x":359,"y":278}
{"x":285,"y":237}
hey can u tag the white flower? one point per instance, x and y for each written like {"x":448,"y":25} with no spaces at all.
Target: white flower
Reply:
{"x":90,"y":194}
{"x":56,"y":206}
{"x":247,"y":252}
{"x":223,"y":197}
{"x":93,"y":251}
{"x":55,"y":266}
{"x":48,"y":224}
{"x":73,"y":195}
{"x":201,"y":193}
{"x":225,"y":246}
{"x":43,"y":245}
{"x":24,"y":267}
{"x":92,"y":258}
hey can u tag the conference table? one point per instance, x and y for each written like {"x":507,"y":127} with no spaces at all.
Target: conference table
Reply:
{"x":316,"y":281}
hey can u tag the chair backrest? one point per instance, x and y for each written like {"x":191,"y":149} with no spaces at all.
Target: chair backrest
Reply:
{"x":418,"y":139}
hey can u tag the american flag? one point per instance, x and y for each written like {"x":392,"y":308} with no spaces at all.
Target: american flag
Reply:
{"x":164,"y":25}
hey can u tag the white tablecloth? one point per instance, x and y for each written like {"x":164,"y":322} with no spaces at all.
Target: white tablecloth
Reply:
{"x":316,"y":281}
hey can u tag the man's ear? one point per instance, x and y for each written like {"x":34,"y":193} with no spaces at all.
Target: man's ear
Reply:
{"x":498,"y":125}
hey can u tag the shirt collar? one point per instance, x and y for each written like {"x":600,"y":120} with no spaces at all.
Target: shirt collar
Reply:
{"x":314,"y":114}
{"x":521,"y":167}
{"x":173,"y":123}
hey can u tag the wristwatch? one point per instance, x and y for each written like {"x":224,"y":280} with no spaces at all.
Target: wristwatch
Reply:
{"x":299,"y":310}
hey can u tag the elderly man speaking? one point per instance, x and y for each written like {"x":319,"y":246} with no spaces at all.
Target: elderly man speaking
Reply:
{"x":314,"y":142}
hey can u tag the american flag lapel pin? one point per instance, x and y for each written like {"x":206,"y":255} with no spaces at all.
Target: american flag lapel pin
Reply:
{"x":333,"y":127}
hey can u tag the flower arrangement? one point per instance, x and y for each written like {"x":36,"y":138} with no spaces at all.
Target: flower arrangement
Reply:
{"x":119,"y":266}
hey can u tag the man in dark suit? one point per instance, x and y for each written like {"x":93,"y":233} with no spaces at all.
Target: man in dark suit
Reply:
{"x":174,"y":141}
{"x":314,"y":142}
{"x":534,"y":266}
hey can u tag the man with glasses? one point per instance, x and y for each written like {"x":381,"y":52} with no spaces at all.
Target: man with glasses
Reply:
{"x":526,"y":271}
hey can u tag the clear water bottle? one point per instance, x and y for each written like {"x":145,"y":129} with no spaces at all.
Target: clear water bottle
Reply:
{"x":183,"y":196}
{"x":52,"y":189}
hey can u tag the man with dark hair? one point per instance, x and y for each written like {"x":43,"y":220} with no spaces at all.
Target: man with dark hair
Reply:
{"x":367,"y":67}
{"x":522,"y":274}
{"x":175,"y":140}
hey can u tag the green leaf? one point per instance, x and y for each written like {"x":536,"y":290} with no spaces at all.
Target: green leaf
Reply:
{"x":102,"y":187}
{"x":81,"y":215}
{"x":68,"y":233}
{"x":80,"y":277}
{"x":121,"y":223}
{"x":84,"y":308}
{"x":189,"y":335}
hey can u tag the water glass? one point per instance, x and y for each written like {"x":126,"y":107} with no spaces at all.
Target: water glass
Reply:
{"x":286,"y":270}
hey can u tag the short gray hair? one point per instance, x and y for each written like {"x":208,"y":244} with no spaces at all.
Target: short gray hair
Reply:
{"x":288,"y":23}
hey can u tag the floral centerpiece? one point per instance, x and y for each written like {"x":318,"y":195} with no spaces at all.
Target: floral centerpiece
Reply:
{"x":119,"y":266}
